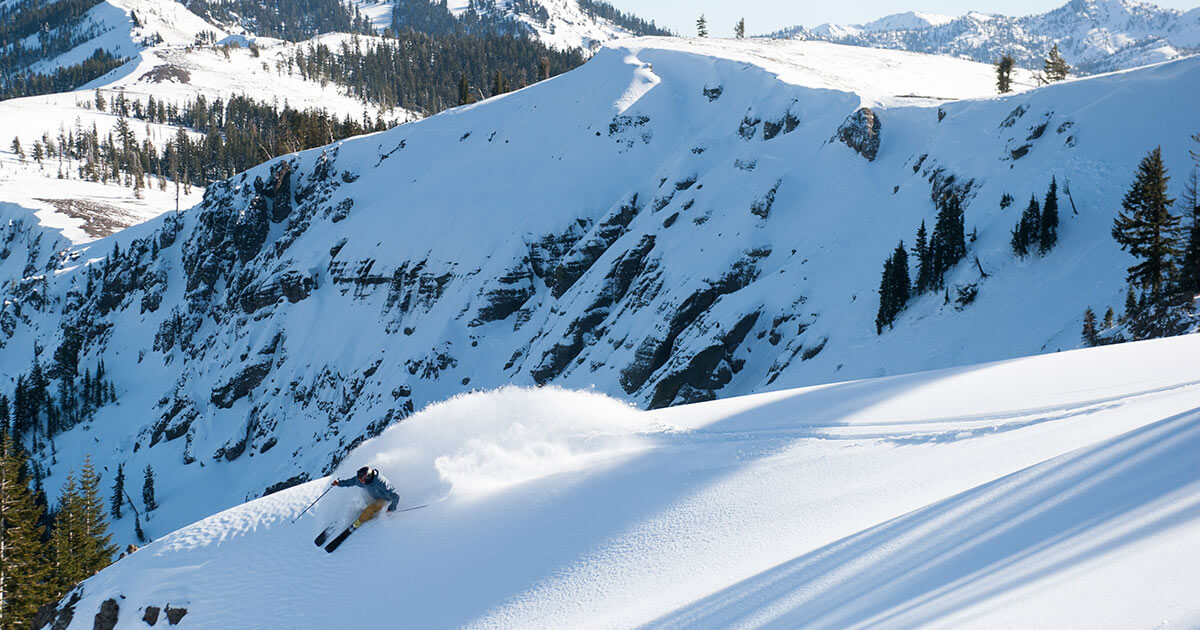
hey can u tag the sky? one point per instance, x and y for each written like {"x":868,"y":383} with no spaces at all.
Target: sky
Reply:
{"x":765,"y":16}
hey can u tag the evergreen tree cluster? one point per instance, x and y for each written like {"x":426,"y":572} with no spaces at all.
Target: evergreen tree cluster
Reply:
{"x":38,"y":415}
{"x":1164,"y":283}
{"x":1037,"y":229}
{"x":62,"y":79}
{"x":480,"y":18}
{"x":43,"y":556}
{"x":421,"y":72}
{"x":236,"y":134}
{"x":57,"y":24}
{"x":292,"y":20}
{"x":935,"y":254}
{"x":627,"y":21}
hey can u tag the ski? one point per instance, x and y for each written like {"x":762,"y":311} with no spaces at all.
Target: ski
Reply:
{"x":341,"y":538}
{"x":336,"y":542}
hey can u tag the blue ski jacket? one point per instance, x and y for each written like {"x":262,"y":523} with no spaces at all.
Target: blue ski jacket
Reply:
{"x":378,"y":488}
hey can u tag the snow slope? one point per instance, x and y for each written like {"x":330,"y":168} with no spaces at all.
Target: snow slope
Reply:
{"x":631,"y":227}
{"x":566,"y":25}
{"x":171,"y":73}
{"x":1054,"y":491}
{"x":1093,"y":35}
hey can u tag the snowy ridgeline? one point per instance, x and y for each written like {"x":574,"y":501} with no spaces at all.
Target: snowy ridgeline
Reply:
{"x":1053,"y":491}
{"x":676,"y":221}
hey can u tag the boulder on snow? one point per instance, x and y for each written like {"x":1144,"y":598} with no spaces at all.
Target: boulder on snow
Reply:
{"x":175,"y":614}
{"x":861,"y":133}
{"x":106,"y":619}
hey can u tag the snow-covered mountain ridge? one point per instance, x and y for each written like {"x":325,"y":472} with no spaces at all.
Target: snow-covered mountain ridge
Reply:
{"x":1093,"y":35}
{"x":675,"y":221}
{"x":1058,"y":491}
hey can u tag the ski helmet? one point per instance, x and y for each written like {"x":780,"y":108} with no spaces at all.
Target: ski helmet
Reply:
{"x":365,"y":474}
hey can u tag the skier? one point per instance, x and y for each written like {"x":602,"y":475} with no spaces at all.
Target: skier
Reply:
{"x":380,"y":489}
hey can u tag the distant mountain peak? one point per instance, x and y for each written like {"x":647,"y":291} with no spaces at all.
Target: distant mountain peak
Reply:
{"x":1093,"y":35}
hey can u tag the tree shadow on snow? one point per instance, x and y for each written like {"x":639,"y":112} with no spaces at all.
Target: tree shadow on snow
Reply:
{"x":972,"y":548}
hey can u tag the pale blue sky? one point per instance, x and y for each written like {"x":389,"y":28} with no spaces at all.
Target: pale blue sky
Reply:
{"x":763,"y":16}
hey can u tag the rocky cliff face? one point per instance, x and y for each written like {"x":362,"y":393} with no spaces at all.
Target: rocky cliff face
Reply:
{"x":663,"y":225}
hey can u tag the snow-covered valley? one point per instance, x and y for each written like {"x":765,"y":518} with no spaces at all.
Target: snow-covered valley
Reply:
{"x":1052,"y":491}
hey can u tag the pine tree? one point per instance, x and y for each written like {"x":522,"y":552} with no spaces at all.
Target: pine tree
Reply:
{"x":1028,"y":228}
{"x":887,"y":301}
{"x":925,"y":279}
{"x":16,"y":148}
{"x":1189,"y":272}
{"x":1049,"y":219}
{"x":1090,"y":338}
{"x":1131,"y":305}
{"x":148,"y":490}
{"x":23,"y":569}
{"x":702,"y":26}
{"x":948,"y":244}
{"x":1004,"y":69}
{"x":98,"y":549}
{"x":901,"y":282}
{"x":893,"y":288}
{"x":464,"y":90}
{"x":118,"y":495}
{"x":67,"y":568}
{"x":1108,"y":318}
{"x":739,"y":29}
{"x":1146,"y":228}
{"x":1055,"y":67}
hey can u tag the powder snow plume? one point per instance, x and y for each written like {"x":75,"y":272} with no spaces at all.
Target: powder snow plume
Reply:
{"x":483,"y":441}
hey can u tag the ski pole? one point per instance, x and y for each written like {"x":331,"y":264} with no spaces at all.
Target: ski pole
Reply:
{"x":312,"y":504}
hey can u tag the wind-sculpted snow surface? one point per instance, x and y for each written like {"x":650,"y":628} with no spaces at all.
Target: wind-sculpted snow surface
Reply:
{"x":1055,"y":491}
{"x":673,"y":222}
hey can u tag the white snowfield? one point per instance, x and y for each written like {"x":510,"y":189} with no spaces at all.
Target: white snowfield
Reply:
{"x":174,"y":72}
{"x":1058,"y":491}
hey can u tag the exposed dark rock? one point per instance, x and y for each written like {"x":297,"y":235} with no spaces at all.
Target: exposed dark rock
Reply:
{"x":813,"y":351}
{"x":290,"y":482}
{"x":762,"y":206}
{"x":749,"y":127}
{"x":250,"y":230}
{"x":588,"y":250}
{"x":49,"y":615}
{"x":1020,"y":151}
{"x":291,"y":284}
{"x":151,"y":615}
{"x":713,"y":93}
{"x":175,"y":615}
{"x":708,"y":370}
{"x":547,"y":252}
{"x":1014,"y":116}
{"x":512,"y":290}
{"x":280,"y":191}
{"x":240,"y":385}
{"x":106,"y":619}
{"x":787,"y":124}
{"x":654,"y":352}
{"x":860,"y":132}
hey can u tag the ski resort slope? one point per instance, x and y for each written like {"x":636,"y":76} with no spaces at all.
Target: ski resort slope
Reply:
{"x":1054,"y":491}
